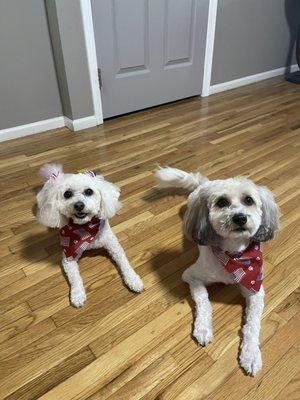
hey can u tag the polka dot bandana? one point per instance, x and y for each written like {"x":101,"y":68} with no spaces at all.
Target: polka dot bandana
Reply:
{"x":244,"y":268}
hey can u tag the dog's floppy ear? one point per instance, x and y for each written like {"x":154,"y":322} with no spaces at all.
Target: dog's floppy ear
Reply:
{"x":197,"y":226}
{"x":47,"y":200}
{"x":109,"y":193}
{"x":270,"y":216}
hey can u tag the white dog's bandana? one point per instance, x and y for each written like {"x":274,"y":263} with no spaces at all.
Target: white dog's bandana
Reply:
{"x":245,"y":268}
{"x":75,"y":238}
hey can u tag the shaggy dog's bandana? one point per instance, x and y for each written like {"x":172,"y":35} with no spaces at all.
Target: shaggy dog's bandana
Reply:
{"x":245,"y":268}
{"x":75,"y":238}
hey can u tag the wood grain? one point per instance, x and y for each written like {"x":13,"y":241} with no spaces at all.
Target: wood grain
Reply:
{"x":127,"y":346}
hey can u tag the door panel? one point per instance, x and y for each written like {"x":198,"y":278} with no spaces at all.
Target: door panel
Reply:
{"x":179,"y":31}
{"x":150,"y":51}
{"x":130,"y":31}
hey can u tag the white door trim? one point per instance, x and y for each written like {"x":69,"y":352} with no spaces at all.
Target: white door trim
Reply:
{"x":89,"y":35}
{"x":209,"y":47}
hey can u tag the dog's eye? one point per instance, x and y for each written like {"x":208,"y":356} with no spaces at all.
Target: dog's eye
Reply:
{"x":222,"y":202}
{"x":68,"y":194}
{"x":248,"y":201}
{"x":88,"y":192}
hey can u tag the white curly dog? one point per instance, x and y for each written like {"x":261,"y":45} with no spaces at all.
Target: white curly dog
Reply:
{"x":228,"y":219}
{"x":80,"y":205}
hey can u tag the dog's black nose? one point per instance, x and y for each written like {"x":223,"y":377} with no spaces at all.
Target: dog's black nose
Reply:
{"x":239,"y":219}
{"x":79,"y":206}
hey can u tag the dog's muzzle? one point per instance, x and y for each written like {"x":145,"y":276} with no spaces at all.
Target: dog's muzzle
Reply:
{"x":240,"y":221}
{"x":79,"y":207}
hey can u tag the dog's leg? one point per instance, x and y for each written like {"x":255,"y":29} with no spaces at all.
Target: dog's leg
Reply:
{"x":250,"y":356}
{"x":203,"y":320}
{"x":130,"y":277}
{"x":77,"y":293}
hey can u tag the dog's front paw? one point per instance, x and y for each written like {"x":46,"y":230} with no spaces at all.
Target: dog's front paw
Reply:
{"x":203,"y":335}
{"x":78,"y":296}
{"x":134,"y":283}
{"x":250,"y":358}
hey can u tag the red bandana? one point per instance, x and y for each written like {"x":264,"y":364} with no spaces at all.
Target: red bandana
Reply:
{"x":244,"y":268}
{"x":75,"y":238}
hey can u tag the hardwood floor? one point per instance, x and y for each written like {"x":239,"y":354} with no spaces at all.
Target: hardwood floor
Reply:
{"x":127,"y":346}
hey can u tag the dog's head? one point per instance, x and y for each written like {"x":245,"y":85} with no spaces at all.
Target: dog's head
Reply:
{"x":231,"y":209}
{"x":77,"y":196}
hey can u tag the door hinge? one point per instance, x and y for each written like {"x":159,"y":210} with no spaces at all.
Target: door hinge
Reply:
{"x":99,"y":77}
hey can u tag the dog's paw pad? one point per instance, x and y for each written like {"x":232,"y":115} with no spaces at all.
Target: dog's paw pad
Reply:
{"x":203,"y":335}
{"x":250,"y":359}
{"x":78,"y":297}
{"x":135,"y":283}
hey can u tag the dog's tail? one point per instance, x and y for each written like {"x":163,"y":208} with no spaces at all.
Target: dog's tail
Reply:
{"x":176,"y":178}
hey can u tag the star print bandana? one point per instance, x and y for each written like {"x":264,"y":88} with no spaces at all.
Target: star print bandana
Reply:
{"x":75,"y":238}
{"x":245,"y":268}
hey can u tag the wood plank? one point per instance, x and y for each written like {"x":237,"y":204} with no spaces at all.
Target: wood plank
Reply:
{"x":226,"y":379}
{"x":284,"y":371}
{"x":46,"y":382}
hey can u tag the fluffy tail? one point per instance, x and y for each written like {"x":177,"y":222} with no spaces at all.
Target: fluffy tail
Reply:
{"x":173,"y":177}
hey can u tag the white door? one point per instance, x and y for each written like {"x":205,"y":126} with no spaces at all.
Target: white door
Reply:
{"x":149,"y":51}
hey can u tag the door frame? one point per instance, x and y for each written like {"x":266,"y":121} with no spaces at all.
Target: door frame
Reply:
{"x":90,"y":44}
{"x":87,"y":19}
{"x":209,"y":47}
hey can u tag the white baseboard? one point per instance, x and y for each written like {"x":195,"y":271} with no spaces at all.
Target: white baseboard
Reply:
{"x":246,"y":80}
{"x":81,"y":123}
{"x":47,"y":124}
{"x":30,"y":129}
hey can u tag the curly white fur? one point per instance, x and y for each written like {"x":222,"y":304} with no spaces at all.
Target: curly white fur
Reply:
{"x":208,"y":224}
{"x":54,"y":210}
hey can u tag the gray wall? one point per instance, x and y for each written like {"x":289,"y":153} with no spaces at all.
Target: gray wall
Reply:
{"x":66,"y":29}
{"x":253,"y":36}
{"x":28,"y":85}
